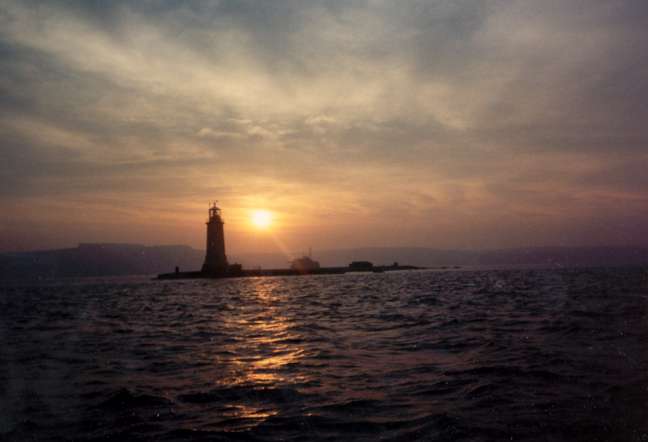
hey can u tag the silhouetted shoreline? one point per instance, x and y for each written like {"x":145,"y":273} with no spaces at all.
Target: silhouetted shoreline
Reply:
{"x":247,"y":273}
{"x":92,"y":260}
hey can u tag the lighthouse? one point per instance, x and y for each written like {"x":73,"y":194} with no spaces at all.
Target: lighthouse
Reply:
{"x":215,"y":259}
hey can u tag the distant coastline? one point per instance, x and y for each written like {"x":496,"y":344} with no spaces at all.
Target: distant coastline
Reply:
{"x":133,"y":259}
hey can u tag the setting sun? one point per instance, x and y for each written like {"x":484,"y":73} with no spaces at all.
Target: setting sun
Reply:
{"x":261,"y":219}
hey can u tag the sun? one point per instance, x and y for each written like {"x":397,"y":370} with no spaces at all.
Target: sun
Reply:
{"x":261,"y":219}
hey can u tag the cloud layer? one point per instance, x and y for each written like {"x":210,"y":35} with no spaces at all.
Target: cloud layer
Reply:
{"x":435,"y":123}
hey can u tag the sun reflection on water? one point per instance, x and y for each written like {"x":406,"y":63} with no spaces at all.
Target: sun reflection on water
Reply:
{"x":251,"y":416}
{"x":264,"y":349}
{"x":275,"y":362}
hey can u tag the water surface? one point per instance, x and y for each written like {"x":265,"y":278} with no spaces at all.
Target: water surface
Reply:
{"x":458,"y":355}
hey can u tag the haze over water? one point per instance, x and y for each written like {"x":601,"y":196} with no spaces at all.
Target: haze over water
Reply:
{"x":457,"y":355}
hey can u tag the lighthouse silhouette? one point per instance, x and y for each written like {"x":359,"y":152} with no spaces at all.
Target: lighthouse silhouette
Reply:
{"x":215,"y":259}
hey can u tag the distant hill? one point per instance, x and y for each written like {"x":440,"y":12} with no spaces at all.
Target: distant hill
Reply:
{"x":133,"y":259}
{"x":427,"y":257}
{"x":99,"y":260}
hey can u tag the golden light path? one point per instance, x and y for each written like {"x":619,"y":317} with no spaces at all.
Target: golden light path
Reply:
{"x":265,"y":348}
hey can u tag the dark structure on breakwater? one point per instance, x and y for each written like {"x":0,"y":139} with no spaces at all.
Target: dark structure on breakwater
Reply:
{"x":216,"y":265}
{"x":215,"y":258}
{"x":304,"y":264}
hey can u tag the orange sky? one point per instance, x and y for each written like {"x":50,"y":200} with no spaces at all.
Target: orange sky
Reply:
{"x":357,"y":123}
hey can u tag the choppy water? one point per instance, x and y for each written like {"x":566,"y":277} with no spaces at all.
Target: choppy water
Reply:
{"x":464,"y":355}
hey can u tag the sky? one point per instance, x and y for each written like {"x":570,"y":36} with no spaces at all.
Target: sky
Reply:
{"x":445,"y":124}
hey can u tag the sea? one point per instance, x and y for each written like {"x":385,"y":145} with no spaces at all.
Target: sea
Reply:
{"x":456,"y":355}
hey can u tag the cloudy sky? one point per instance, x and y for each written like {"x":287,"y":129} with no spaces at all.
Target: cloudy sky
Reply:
{"x":449,"y":124}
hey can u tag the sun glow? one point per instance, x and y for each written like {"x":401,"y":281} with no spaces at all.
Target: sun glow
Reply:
{"x":261,"y":219}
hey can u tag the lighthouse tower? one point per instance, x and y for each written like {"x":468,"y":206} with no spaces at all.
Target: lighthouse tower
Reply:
{"x":215,"y":259}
